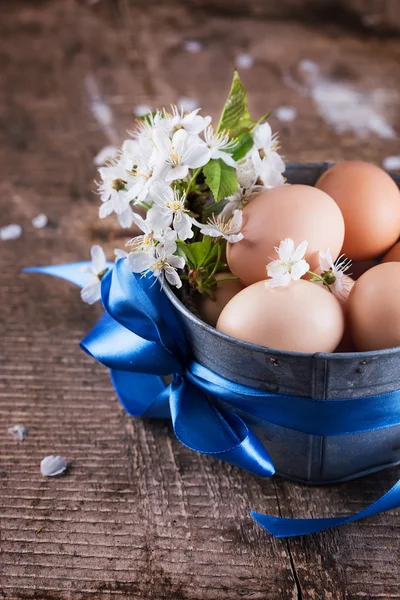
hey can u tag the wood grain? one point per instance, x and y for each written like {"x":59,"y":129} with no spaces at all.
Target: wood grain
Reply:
{"x":137,"y":515}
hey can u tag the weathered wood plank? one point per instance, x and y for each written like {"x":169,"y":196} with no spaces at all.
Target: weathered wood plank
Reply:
{"x":138,"y":516}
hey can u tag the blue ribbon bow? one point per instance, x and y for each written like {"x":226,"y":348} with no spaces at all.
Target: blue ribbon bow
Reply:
{"x":140,"y":340}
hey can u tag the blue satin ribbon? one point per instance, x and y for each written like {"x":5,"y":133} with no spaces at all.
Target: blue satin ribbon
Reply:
{"x":140,"y":340}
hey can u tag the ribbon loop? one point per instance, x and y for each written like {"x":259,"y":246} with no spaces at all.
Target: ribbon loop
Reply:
{"x":200,"y":426}
{"x":119,"y":348}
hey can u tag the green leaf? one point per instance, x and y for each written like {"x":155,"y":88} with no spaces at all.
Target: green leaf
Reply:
{"x":244,"y":144}
{"x":185,"y":250}
{"x":235,"y":109}
{"x":261,"y":120}
{"x":221,"y":179}
{"x":200,"y":251}
{"x":197,"y":253}
{"x":235,"y":118}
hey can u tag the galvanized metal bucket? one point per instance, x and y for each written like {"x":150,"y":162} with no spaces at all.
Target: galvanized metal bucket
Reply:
{"x":307,"y":458}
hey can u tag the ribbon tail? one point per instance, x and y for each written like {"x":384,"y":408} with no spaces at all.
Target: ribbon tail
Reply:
{"x":200,"y":426}
{"x":141,"y":395}
{"x":72,"y":272}
{"x":283,"y":528}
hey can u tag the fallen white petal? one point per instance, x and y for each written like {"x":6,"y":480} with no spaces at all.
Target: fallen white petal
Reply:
{"x":141,"y":110}
{"x":193,"y":46}
{"x":391,"y":163}
{"x":10,"y":232}
{"x":105,"y":154}
{"x":285,"y":113}
{"x":188,"y":104}
{"x":53,"y":465}
{"x":40,"y":221}
{"x":19,"y":432}
{"x":244,"y":61}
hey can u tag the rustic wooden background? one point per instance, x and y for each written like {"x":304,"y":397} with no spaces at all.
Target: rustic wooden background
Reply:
{"x":138,"y":516}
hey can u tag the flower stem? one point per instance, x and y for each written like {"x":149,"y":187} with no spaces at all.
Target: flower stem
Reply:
{"x":316,"y":277}
{"x":211,"y":276}
{"x":228,"y":279}
{"x":193,"y":180}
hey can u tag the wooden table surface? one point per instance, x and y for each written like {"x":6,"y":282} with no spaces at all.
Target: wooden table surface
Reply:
{"x":137,"y":515}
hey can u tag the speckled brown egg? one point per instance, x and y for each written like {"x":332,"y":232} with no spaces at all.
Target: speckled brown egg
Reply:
{"x":300,"y":212}
{"x":374,"y":308}
{"x":301,"y":317}
{"x":226,"y":289}
{"x":370,"y":203}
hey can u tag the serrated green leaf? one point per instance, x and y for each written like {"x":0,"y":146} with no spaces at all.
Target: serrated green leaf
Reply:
{"x":235,"y":118}
{"x":200,"y":251}
{"x":197,"y":253}
{"x":235,"y":109}
{"x":244,"y":144}
{"x":185,"y":250}
{"x":221,"y":179}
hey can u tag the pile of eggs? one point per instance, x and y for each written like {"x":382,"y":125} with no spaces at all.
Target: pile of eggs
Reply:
{"x":354,"y":209}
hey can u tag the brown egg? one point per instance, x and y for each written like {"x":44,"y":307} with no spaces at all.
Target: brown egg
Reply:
{"x":301,"y":317}
{"x":393,"y":255}
{"x":374,"y":308}
{"x":370,"y":202}
{"x":211,"y":309}
{"x":300,"y":212}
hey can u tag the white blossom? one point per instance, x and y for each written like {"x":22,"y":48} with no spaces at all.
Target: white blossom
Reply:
{"x":246,"y":171}
{"x":264,"y":140}
{"x":114,"y":195}
{"x":162,"y":263}
{"x":229,"y":229}
{"x":340,"y":287}
{"x":179,"y":154}
{"x":53,"y":465}
{"x":240,"y":199}
{"x":151,"y":236}
{"x":268,"y":164}
{"x":91,"y":292}
{"x":191,"y":121}
{"x":219,"y":145}
{"x":145,"y":127}
{"x":290,"y":265}
{"x":170,"y":208}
